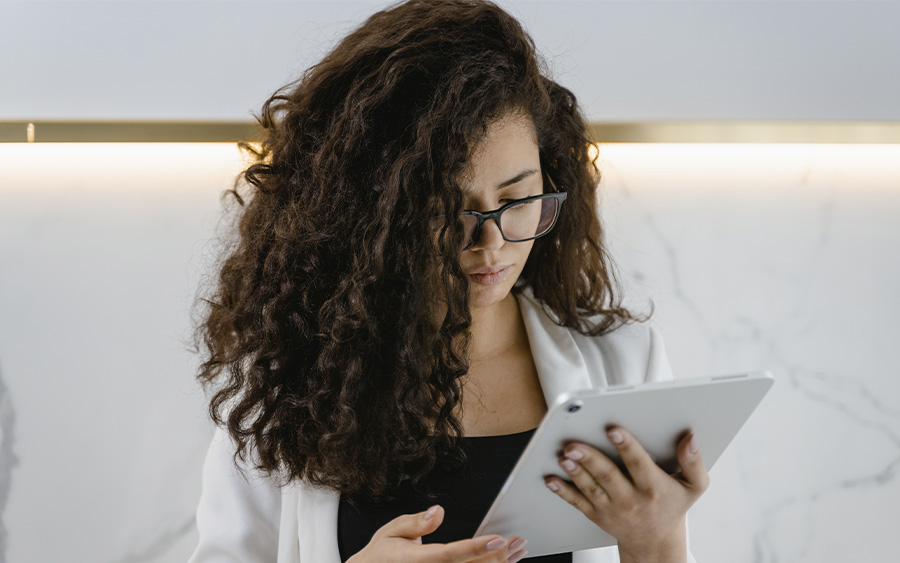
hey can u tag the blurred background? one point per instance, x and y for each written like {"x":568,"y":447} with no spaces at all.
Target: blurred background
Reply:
{"x":757,"y":255}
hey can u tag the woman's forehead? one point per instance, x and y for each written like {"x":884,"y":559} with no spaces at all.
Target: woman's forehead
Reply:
{"x":507,"y":151}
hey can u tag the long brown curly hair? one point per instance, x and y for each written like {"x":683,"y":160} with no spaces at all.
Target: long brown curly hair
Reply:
{"x":321,"y":332}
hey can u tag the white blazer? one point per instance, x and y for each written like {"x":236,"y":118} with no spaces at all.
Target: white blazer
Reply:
{"x":256,"y":522}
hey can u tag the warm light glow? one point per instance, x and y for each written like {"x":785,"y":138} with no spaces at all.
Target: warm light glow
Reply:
{"x":117,"y":166}
{"x":756,"y":167}
{"x":674,"y":166}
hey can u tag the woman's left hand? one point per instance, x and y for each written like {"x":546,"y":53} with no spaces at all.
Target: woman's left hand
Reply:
{"x":644,"y":511}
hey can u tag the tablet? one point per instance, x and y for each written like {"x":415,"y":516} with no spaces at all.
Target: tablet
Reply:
{"x":657,"y":414}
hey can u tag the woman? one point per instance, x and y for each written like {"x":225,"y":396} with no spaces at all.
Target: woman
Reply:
{"x":419,"y":272}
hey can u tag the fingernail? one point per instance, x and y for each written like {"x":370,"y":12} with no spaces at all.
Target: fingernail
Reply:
{"x":616,"y":437}
{"x":495,"y":544}
{"x":517,"y":545}
{"x":574,"y":454}
{"x":518,"y":557}
{"x":552,"y":486}
{"x":430,"y":512}
{"x":568,"y":465}
{"x":693,"y":444}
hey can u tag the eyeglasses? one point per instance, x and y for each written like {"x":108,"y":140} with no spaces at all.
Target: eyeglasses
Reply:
{"x":519,"y":220}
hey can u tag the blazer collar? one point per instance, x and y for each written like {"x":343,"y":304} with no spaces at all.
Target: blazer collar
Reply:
{"x":560,"y":365}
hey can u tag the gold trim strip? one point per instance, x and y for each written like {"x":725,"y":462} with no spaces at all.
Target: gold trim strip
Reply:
{"x":128,"y":131}
{"x":746,"y":132}
{"x":601,"y":132}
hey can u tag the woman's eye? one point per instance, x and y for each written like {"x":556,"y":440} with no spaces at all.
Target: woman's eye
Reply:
{"x":521,"y":203}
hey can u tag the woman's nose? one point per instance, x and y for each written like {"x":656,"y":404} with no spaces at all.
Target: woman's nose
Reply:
{"x":490,"y":237}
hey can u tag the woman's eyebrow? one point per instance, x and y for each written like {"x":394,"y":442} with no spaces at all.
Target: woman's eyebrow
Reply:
{"x":517,"y":178}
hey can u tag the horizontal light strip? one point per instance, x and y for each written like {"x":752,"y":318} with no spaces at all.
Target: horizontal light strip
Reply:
{"x":761,"y":171}
{"x":851,"y":132}
{"x":118,"y":168}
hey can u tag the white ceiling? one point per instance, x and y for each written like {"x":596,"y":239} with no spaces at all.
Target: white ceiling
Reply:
{"x":626,"y":60}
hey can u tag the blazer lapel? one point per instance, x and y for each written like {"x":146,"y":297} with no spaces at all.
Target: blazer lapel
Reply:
{"x":560,"y":364}
{"x":317,"y":515}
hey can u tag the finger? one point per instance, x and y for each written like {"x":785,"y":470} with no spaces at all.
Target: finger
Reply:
{"x":514,"y":544}
{"x":482,"y":548}
{"x":585,"y":482}
{"x":413,"y":526}
{"x":571,"y":495}
{"x":605,"y":474}
{"x":516,"y":549}
{"x":694,"y":474}
{"x":641,"y":467}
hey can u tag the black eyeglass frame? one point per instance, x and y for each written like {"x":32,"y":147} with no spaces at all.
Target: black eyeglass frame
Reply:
{"x":495,"y":215}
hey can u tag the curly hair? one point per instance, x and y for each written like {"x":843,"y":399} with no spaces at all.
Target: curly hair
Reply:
{"x":321,"y":332}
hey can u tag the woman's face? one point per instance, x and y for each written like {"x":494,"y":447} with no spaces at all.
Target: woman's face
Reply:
{"x":505,"y":165}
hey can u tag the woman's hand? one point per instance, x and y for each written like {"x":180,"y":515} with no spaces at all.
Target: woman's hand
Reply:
{"x":644,"y":511}
{"x":400,"y":541}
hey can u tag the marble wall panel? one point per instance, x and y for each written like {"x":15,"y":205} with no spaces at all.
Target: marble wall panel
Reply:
{"x":784,"y":258}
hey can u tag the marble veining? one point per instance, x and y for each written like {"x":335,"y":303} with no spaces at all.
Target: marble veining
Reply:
{"x":8,"y":459}
{"x":162,"y":543}
{"x":851,"y":400}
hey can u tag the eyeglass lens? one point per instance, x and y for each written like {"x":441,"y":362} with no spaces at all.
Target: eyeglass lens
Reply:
{"x":524,"y":221}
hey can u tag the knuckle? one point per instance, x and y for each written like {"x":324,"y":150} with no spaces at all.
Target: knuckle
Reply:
{"x":703,"y":484}
{"x":653,"y":493}
{"x":627,"y":504}
{"x":604,"y":474}
{"x":638,"y":464}
{"x":596,"y":491}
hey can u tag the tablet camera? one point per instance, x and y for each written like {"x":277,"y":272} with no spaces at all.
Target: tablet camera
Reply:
{"x":574,"y":407}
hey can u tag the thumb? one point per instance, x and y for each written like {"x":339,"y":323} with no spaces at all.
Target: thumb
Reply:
{"x":692,"y":469}
{"x":414,"y":526}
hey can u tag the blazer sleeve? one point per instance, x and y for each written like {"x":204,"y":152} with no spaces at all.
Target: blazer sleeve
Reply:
{"x":238,"y":518}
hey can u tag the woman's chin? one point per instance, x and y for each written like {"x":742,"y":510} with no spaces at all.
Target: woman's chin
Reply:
{"x":481,"y":297}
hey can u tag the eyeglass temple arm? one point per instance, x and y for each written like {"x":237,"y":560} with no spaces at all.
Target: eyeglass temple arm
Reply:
{"x":552,"y":183}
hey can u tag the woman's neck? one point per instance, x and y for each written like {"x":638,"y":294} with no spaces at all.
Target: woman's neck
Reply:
{"x":496,"y":329}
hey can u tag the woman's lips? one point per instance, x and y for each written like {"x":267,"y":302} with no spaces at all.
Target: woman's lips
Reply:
{"x":489,"y":276}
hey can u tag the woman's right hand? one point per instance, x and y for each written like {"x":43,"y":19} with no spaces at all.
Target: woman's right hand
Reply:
{"x":400,"y":541}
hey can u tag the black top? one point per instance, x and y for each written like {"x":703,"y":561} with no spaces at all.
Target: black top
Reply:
{"x":465,"y":493}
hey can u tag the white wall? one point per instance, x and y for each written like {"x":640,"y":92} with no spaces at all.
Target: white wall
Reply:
{"x":626,"y":60}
